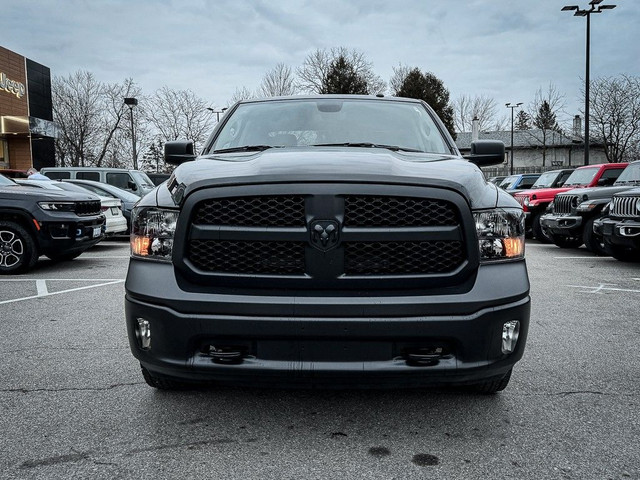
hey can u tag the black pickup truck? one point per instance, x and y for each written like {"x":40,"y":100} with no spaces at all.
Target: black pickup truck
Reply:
{"x":36,"y":222}
{"x":330,"y":240}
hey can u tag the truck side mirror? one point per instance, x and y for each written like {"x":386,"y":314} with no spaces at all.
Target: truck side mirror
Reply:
{"x":486,"y":152}
{"x":179,"y":151}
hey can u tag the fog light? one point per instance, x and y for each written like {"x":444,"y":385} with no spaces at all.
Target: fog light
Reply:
{"x":143,"y":332}
{"x":510,"y":332}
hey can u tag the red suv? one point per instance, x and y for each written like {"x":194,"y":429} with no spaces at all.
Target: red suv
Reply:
{"x":535,"y":201}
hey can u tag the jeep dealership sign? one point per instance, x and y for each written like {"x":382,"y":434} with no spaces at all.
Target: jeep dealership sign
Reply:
{"x":11,"y":86}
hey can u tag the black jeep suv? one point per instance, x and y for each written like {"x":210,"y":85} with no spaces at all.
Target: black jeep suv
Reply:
{"x":620,"y":226}
{"x":328,"y":240}
{"x":36,"y":222}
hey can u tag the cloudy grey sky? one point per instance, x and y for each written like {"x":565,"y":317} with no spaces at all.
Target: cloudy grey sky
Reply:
{"x":506,"y":49}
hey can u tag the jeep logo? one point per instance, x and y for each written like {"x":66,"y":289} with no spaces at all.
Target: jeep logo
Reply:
{"x":324,"y":234}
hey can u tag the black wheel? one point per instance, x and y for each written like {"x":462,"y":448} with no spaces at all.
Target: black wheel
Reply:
{"x":163,"y":383}
{"x":492,"y":386}
{"x":538,"y":232}
{"x":623,"y":254}
{"x":63,"y":257}
{"x":18,"y":251}
{"x":567,"y":242}
{"x":593,"y":241}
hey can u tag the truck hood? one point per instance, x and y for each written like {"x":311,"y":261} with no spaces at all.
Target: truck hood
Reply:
{"x":543,"y":193}
{"x":593,"y":193}
{"x":40,"y":194}
{"x":335,"y":165}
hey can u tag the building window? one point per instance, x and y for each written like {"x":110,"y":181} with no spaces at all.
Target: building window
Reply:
{"x":4,"y":154}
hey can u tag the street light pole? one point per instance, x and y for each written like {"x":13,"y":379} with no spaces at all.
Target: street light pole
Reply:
{"x":512,"y":107}
{"x":217,"y":112}
{"x":132,"y":102}
{"x":587,"y":13}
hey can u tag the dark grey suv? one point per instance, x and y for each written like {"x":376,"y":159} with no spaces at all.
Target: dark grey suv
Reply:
{"x":328,"y":240}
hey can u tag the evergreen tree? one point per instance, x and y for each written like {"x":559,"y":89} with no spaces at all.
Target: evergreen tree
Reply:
{"x":342,"y":78}
{"x":545,"y":121}
{"x":428,"y":87}
{"x":523,"y":121}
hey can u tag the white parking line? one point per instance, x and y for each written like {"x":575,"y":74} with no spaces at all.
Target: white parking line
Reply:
{"x":602,"y":288}
{"x":582,"y":258}
{"x":103,"y":256}
{"x":43,"y":292}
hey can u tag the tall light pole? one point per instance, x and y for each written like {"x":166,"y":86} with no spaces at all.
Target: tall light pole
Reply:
{"x":512,"y":107}
{"x":132,"y":102}
{"x":217,"y":112}
{"x":595,"y":8}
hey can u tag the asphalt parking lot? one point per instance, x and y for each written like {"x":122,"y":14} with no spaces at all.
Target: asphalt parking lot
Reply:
{"x":73,"y":403}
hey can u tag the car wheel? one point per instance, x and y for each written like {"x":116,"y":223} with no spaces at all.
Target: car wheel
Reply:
{"x":593,"y":241}
{"x":538,"y":232}
{"x":18,"y":251}
{"x":163,"y":383}
{"x":63,"y":257}
{"x":492,"y":386}
{"x":623,"y":254}
{"x":567,"y":242}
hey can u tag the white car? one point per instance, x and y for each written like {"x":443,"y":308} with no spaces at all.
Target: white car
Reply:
{"x":115,"y":223}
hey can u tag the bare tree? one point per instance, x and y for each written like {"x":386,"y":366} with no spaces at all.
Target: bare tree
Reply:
{"x":241,"y":93}
{"x":278,"y":81}
{"x":316,"y":67}
{"x":615,"y":115}
{"x":90,"y":115}
{"x":543,"y":110}
{"x":481,"y":107}
{"x":179,"y":114}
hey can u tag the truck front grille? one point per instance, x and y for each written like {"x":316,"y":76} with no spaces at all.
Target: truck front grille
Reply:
{"x":565,"y":203}
{"x":625,"y":207}
{"x":275,"y":236}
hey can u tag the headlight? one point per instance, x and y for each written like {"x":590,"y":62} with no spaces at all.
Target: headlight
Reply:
{"x":152,"y":231}
{"x":57,"y":206}
{"x":526,"y":201}
{"x":587,"y":206}
{"x":638,"y":206}
{"x":500,"y":234}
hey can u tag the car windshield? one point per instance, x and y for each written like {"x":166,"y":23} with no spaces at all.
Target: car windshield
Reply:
{"x":367,"y":123}
{"x":546,"y":180}
{"x":4,"y":181}
{"x":581,"y":176}
{"x":630,"y":175}
{"x":508,"y":182}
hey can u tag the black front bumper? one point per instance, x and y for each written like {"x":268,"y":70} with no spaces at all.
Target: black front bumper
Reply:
{"x":333,"y":340}
{"x":69,"y":236}
{"x":563,"y":225}
{"x":623,"y":233}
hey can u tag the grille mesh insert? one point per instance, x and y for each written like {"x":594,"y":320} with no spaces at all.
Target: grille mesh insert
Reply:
{"x":259,"y":211}
{"x":397,"y":258}
{"x":276,"y":258}
{"x":378,"y":211}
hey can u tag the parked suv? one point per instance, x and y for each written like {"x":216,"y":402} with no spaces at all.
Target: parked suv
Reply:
{"x":331,"y":239}
{"x":134,"y":181}
{"x":535,"y":201}
{"x":570,"y":222}
{"x":520,"y":181}
{"x":620,"y":226}
{"x":34,"y":222}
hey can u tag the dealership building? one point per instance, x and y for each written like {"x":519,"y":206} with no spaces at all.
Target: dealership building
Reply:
{"x":27,"y":131}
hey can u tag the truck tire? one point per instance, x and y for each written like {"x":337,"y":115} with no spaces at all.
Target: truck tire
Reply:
{"x":163,"y":383}
{"x":623,"y":254}
{"x":593,"y":241}
{"x":538,"y":232}
{"x":492,"y":386}
{"x":18,"y":251}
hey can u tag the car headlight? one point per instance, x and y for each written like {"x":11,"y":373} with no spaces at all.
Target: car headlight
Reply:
{"x":526,"y":201}
{"x":152,"y":231}
{"x":500,"y":234}
{"x":57,"y":206}
{"x":587,"y":206}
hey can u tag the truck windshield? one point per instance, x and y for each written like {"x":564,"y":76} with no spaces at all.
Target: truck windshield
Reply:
{"x":630,"y":175}
{"x":370,"y":123}
{"x":581,"y":176}
{"x":546,"y":180}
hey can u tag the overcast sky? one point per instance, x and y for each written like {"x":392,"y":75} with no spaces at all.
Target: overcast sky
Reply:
{"x":506,"y":49}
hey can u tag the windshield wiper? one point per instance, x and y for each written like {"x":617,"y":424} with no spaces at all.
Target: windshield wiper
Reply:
{"x":244,"y":148}
{"x":393,"y":148}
